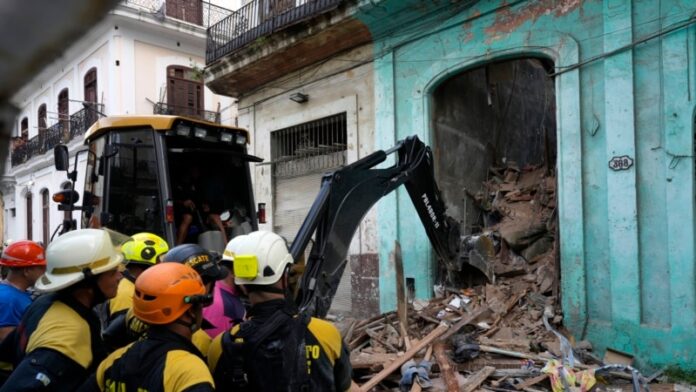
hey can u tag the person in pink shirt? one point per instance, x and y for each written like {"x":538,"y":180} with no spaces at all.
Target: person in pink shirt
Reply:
{"x":227,"y":308}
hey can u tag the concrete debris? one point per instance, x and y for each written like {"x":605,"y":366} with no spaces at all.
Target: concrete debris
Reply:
{"x":502,"y":333}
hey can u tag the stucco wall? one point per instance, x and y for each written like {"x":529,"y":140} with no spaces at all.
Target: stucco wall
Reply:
{"x":343,"y":84}
{"x":150,"y":81}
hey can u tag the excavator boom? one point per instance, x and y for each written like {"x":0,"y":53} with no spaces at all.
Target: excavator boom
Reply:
{"x":345,"y":197}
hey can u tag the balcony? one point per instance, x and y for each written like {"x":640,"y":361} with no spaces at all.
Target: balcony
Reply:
{"x":200,"y":13}
{"x":186,"y":111}
{"x":61,"y":132}
{"x":267,"y":39}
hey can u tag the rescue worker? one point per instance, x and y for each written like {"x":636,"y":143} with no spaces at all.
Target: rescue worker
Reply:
{"x":58,"y":343}
{"x":169,"y":297}
{"x":25,"y":262}
{"x":206,"y":264}
{"x":227,"y":308}
{"x":300,"y":352}
{"x":141,"y":252}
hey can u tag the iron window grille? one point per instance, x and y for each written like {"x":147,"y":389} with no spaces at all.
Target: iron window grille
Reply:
{"x":309,"y":147}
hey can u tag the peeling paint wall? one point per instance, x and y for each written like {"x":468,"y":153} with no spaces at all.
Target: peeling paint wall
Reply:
{"x":624,"y":88}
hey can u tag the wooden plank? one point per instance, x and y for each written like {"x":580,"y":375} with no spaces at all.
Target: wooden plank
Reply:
{"x":377,"y":338}
{"x":404,"y":335}
{"x":401,"y":304}
{"x":369,"y":361}
{"x":396,"y":364}
{"x":446,"y":369}
{"x":531,"y":382}
{"x":477,"y":379}
{"x":466,"y":320}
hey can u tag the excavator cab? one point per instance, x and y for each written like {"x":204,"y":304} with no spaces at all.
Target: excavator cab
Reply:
{"x":168,"y":175}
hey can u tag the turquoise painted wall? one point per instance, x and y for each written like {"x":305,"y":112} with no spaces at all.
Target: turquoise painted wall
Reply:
{"x":627,"y":237}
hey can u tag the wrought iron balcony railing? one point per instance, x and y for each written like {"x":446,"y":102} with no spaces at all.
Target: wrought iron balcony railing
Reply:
{"x":60,"y":132}
{"x":201,"y":13}
{"x":176,"y":110}
{"x":257,"y":19}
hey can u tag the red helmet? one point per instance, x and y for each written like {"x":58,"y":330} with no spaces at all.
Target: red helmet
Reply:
{"x":23,"y":254}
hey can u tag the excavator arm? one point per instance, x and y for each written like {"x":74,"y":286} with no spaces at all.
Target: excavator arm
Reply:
{"x":345,"y":197}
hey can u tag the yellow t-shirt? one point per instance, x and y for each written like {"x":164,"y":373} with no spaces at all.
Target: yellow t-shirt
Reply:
{"x":124,"y":297}
{"x":63,"y":330}
{"x":202,"y":341}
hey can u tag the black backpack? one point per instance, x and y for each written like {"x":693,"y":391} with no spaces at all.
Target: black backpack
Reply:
{"x":266,"y":356}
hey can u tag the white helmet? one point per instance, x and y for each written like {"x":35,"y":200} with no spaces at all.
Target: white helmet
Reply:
{"x":259,"y":258}
{"x":74,"y":252}
{"x":234,"y":243}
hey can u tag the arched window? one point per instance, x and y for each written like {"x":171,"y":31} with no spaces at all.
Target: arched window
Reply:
{"x":42,"y":120}
{"x":63,"y":108}
{"x":45,"y":212}
{"x":91,"y":97}
{"x":24,"y":128}
{"x":184,"y":91}
{"x":91,"y":86}
{"x":28,"y":198}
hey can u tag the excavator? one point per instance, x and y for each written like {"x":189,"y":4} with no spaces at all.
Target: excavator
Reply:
{"x":134,"y":162}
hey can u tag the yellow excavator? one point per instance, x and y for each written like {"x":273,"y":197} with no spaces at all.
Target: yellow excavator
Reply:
{"x":135,"y":164}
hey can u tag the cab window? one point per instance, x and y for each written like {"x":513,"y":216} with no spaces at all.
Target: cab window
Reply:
{"x":133,"y":199}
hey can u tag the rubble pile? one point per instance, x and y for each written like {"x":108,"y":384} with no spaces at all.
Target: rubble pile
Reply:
{"x":502,"y":334}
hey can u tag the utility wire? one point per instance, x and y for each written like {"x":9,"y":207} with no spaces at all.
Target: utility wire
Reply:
{"x":674,"y":27}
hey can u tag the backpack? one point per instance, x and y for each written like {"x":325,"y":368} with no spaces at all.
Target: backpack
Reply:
{"x":267,"y":356}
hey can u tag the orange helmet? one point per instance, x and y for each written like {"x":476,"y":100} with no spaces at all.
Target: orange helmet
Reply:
{"x":23,"y":254}
{"x":165,"y":291}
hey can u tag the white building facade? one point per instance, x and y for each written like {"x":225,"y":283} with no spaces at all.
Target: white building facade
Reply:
{"x":145,"y":57}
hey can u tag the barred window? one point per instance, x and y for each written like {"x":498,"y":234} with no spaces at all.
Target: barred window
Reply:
{"x":310,"y":147}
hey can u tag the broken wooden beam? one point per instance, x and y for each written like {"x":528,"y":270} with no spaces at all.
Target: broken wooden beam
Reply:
{"x":477,"y":379}
{"x":446,"y":370}
{"x":371,"y":361}
{"x":513,"y":354}
{"x":376,"y":337}
{"x":396,"y":364}
{"x":464,"y":321}
{"x":531,"y":382}
{"x":401,"y":304}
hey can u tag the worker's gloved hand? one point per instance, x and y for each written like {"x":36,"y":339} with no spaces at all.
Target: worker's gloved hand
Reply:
{"x":411,"y":370}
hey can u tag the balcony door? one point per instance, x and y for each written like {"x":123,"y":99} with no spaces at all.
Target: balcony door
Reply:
{"x":42,"y":120}
{"x":184,"y":92}
{"x":63,"y":109}
{"x":91,"y":98}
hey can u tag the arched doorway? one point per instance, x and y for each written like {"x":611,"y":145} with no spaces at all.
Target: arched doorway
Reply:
{"x":494,"y":136}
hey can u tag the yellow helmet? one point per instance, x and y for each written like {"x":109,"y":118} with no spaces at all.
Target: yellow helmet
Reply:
{"x":144,"y":249}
